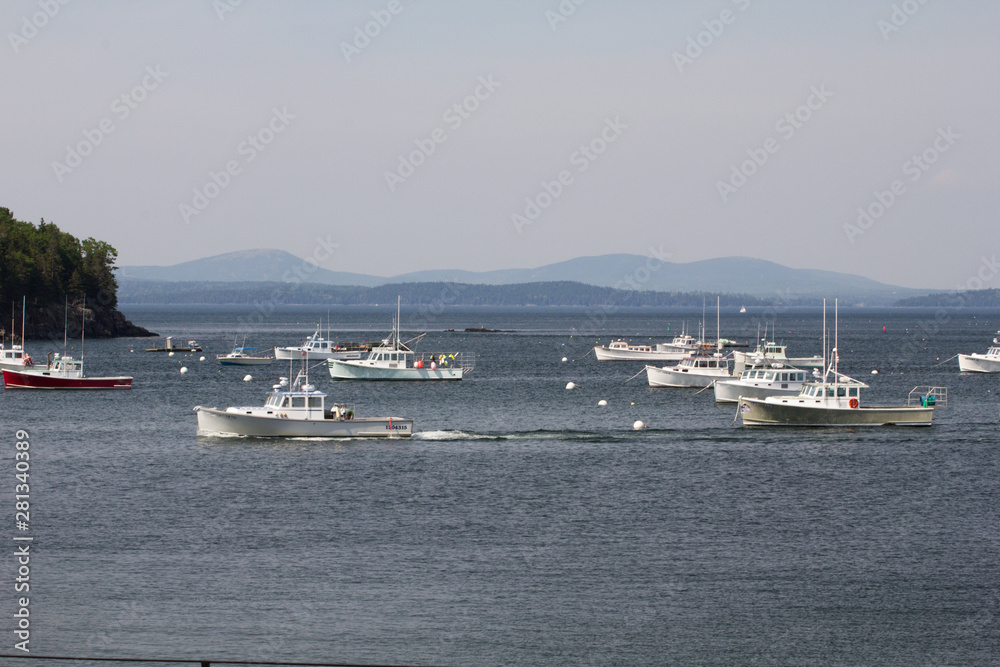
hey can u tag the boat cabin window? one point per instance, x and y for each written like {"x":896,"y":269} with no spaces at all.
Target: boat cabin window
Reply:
{"x":852,"y":391}
{"x":315,"y":402}
{"x":298,"y":401}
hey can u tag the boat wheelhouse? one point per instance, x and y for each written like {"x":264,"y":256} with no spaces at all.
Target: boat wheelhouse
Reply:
{"x":760,"y":382}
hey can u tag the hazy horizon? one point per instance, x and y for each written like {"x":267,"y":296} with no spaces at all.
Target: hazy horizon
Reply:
{"x":393,"y":136}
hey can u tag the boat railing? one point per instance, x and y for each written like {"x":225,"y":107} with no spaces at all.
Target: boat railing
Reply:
{"x":464,"y":360}
{"x":928,"y":396}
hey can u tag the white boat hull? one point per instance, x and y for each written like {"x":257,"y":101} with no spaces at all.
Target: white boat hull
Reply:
{"x":672,"y":376}
{"x":233,"y":422}
{"x":978,"y":363}
{"x":795,"y":412}
{"x":604,"y":353}
{"x":362,"y":370}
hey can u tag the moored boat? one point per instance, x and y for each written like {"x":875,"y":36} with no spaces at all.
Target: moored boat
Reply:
{"x":61,"y":372}
{"x":835,"y":400}
{"x":981,"y":363}
{"x":838,"y":403}
{"x":698,"y":371}
{"x":761,"y":382}
{"x":301,"y":411}
{"x":621,"y":350}
{"x":239,"y":357}
{"x":394,"y":360}
{"x":317,"y":348}
{"x":771,"y":352}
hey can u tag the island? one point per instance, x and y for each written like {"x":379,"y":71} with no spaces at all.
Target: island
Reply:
{"x":54,"y":282}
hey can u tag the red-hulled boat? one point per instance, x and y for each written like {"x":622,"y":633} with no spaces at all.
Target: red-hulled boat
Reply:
{"x":62,"y":372}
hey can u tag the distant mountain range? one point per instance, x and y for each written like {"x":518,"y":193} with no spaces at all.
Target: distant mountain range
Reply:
{"x":726,"y":275}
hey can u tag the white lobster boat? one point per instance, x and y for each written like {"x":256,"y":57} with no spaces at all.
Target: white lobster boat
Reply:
{"x":981,"y":363}
{"x":317,"y":348}
{"x":299,"y":412}
{"x":698,"y":371}
{"x":771,"y":352}
{"x":394,"y":360}
{"x":621,"y":350}
{"x":838,"y":403}
{"x":835,"y":400}
{"x":761,"y":382}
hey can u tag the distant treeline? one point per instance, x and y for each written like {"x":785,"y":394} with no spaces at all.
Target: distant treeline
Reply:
{"x":563,"y":293}
{"x":984,"y":298}
{"x":47,"y":265}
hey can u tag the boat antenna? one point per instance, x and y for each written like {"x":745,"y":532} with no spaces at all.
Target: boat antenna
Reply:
{"x":718,"y":320}
{"x":825,"y":369}
{"x":65,"y":321}
{"x":836,"y":343}
{"x":24,"y":305}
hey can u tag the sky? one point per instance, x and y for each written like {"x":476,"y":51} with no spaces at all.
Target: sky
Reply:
{"x":389,"y":136}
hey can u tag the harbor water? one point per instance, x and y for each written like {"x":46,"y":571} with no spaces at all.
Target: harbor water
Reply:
{"x":523,"y":524}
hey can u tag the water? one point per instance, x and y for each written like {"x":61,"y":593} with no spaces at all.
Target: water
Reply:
{"x":522,"y":524}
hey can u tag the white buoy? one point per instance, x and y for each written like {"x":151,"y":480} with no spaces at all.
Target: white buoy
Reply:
{"x":565,"y":359}
{"x":201,"y":359}
{"x":184,"y":369}
{"x":638,"y":425}
{"x":170,"y":354}
{"x":874,"y":372}
{"x":570,"y":385}
{"x":601,"y":403}
{"x":247,"y":377}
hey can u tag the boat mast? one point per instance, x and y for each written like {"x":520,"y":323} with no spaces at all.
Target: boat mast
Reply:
{"x":718,"y":320}
{"x":65,"y":322}
{"x":24,"y":305}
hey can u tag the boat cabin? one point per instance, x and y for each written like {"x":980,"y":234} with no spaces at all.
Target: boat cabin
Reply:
{"x":773,"y":375}
{"x":14,"y":355}
{"x":703,"y":363}
{"x":622,"y":345}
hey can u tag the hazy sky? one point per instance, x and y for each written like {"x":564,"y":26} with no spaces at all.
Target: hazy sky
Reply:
{"x":420,"y":134}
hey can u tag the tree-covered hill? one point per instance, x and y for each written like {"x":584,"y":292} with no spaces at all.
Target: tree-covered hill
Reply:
{"x":46,"y":266}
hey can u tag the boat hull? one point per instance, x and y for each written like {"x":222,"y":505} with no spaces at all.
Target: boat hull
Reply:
{"x":230,"y":422}
{"x":607,"y":354}
{"x":245,"y":361}
{"x":41,"y":380}
{"x":788,"y":412}
{"x":345,"y":370}
{"x":673,"y":377}
{"x":977,"y":363}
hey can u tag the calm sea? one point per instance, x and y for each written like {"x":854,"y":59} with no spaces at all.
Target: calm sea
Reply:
{"x":523,"y":524}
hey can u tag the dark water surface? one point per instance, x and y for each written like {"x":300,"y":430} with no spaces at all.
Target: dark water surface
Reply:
{"x":523,"y":524}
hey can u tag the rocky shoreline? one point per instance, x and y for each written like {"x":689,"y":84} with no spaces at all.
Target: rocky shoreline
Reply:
{"x":47,"y":323}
